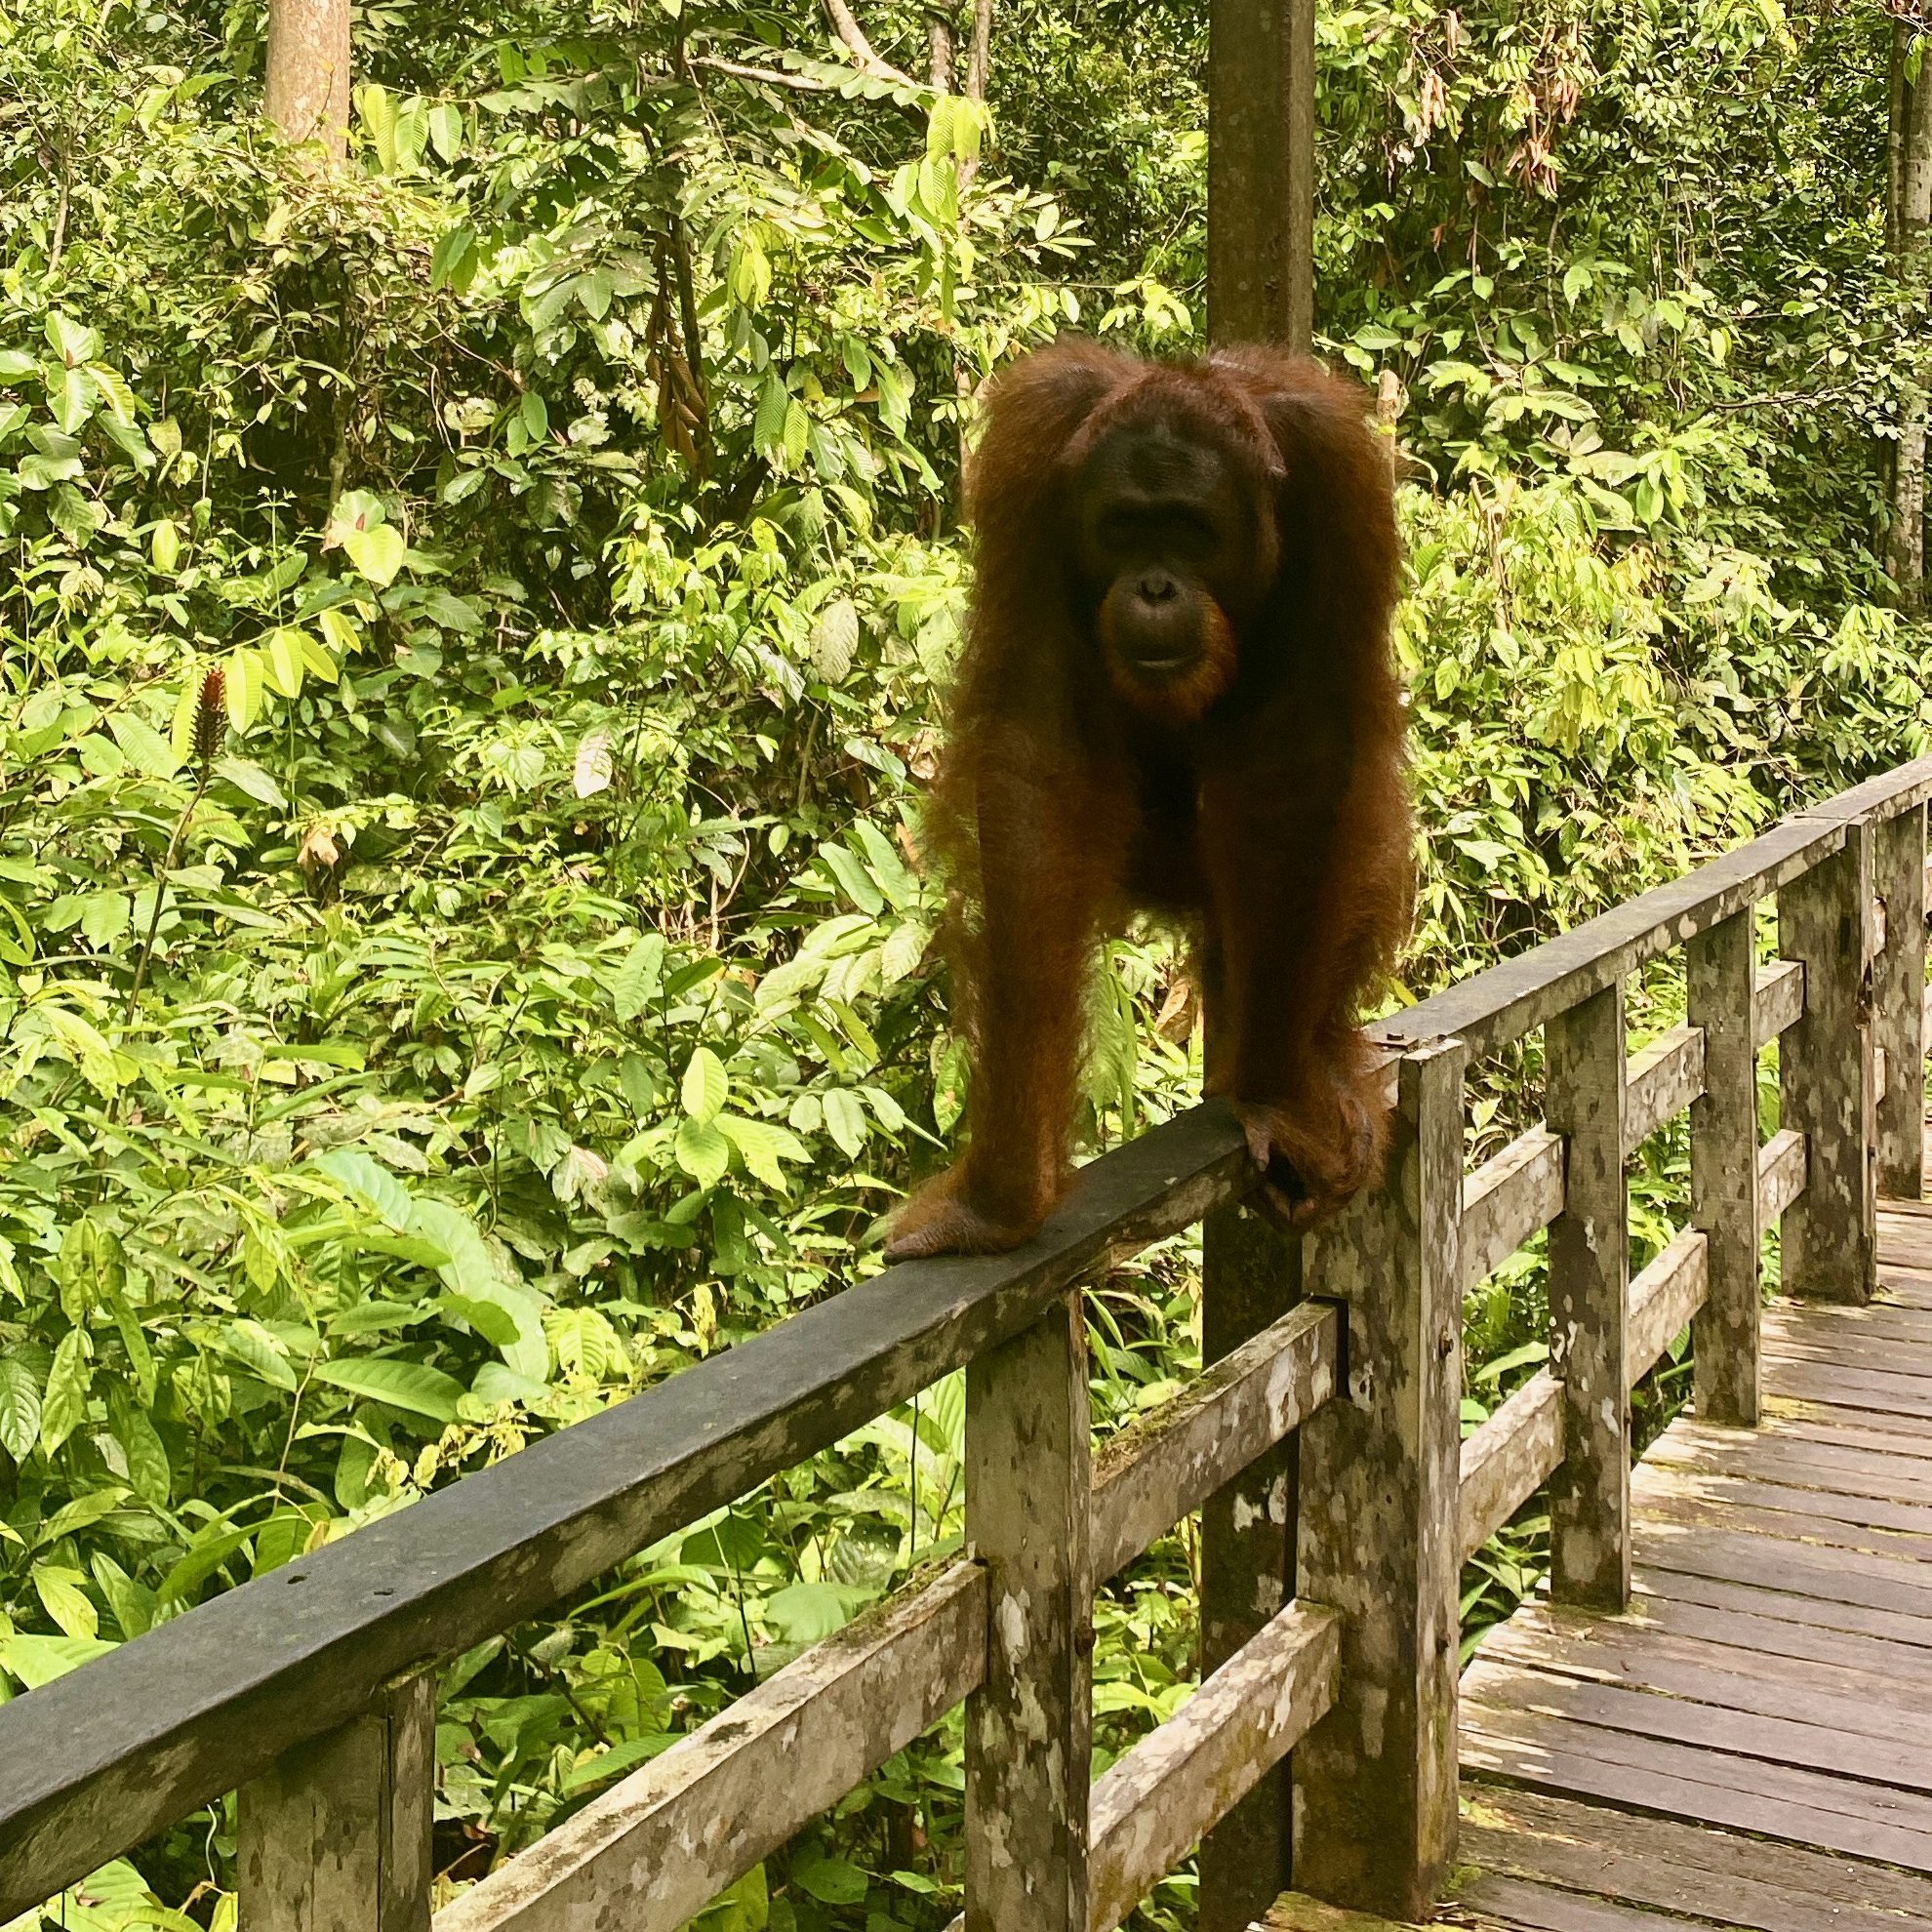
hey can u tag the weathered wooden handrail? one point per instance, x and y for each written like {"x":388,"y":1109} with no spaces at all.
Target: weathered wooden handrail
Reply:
{"x":310,"y":1688}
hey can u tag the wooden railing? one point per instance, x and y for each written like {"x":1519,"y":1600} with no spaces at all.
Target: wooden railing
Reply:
{"x":1321,"y":1446}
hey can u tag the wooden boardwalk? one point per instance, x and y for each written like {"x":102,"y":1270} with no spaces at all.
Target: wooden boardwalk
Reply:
{"x":1751,"y":1745}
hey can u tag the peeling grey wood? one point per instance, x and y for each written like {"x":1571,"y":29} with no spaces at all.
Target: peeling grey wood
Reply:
{"x":1733,"y":1004}
{"x":1512,"y":1195}
{"x":1898,"y":1004}
{"x":652,"y":1851}
{"x":1249,"y":1274}
{"x":1508,"y":1458}
{"x":1511,"y":999}
{"x":1590,"y":1494}
{"x":1664,"y":1297}
{"x":1777,"y":998}
{"x":1781,"y":1173}
{"x":1181,"y":1779}
{"x":1663,"y":1079}
{"x":335,"y":1835}
{"x":103,"y":1758}
{"x":1829,"y":1235}
{"x":1029,"y":1725}
{"x":1374,"y":1781}
{"x":1165,"y":1465}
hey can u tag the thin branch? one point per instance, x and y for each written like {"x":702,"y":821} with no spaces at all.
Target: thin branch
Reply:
{"x":801,"y":83}
{"x":848,"y":29}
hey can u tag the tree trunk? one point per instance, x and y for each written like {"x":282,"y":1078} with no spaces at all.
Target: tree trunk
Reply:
{"x":979,"y":59}
{"x":307,"y":90}
{"x":938,"y":43}
{"x":1909,"y":216}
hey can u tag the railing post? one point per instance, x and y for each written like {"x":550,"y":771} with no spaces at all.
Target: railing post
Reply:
{"x":1590,"y":1495}
{"x":1251,"y":1275}
{"x":1030,"y":1727}
{"x":1374,"y":1781}
{"x":1898,"y":1004}
{"x":336,"y":1835}
{"x":1829,"y":1238}
{"x":1720,"y":969}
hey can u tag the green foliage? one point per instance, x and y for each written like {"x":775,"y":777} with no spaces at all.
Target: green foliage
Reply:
{"x":509,"y":980}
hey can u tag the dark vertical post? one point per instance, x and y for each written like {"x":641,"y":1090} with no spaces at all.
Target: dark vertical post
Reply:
{"x":1827,"y":1239}
{"x":1252,"y":1277}
{"x":1898,"y":1004}
{"x":335,"y":1837}
{"x":1590,"y":1495}
{"x":1030,"y":1726}
{"x":1721,"y":974}
{"x":1261,"y":172}
{"x":1374,"y":1781}
{"x":1261,"y":288}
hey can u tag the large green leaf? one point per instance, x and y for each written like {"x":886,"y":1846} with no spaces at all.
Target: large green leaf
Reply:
{"x":415,"y":1387}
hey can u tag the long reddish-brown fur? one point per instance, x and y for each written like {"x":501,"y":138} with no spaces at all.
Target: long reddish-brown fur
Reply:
{"x":1293,"y":856}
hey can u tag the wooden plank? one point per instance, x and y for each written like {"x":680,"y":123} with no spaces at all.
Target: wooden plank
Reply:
{"x":1781,"y":1171}
{"x":1507,"y":1459}
{"x":1639,"y":1655}
{"x":659,"y":1846}
{"x":1664,"y":1297}
{"x":1905,"y":1291}
{"x":1029,"y":1724}
{"x":1898,"y":1003}
{"x":1662,"y":1080}
{"x":1907,"y":1522}
{"x":1781,"y":1454}
{"x":1878,"y":1761}
{"x":1672,"y":1866}
{"x":1717,"y":1787}
{"x":334,"y":1837}
{"x":1374,"y":1781}
{"x":1854,"y":1619}
{"x":1250,"y":1273}
{"x":1777,"y":997}
{"x":1295,"y":1912}
{"x":1724,"y":1160}
{"x":1667,"y":1498}
{"x":1535,"y":1907}
{"x":1827,"y":1241}
{"x":1909,"y":1329}
{"x":100,"y":1759}
{"x":1164,"y":1464}
{"x":1898,"y":1437}
{"x":1823,"y":1348}
{"x":1510,"y":999}
{"x":1590,"y":1490}
{"x":1509,"y":1198}
{"x":1789,"y":1628}
{"x":1159,"y":1798}
{"x":1849,"y":1388}
{"x":1842,"y":1579}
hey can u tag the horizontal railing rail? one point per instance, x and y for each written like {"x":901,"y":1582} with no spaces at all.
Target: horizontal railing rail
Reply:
{"x":1320,"y":1445}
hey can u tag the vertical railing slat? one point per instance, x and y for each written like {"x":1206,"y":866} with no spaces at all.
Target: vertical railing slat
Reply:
{"x":1590,"y":1495}
{"x":1374,"y":1781}
{"x":1028,"y":1728}
{"x":1827,"y":1239}
{"x":336,"y":1836}
{"x":1251,"y":1275}
{"x":1899,"y":1004}
{"x":1721,"y":973}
